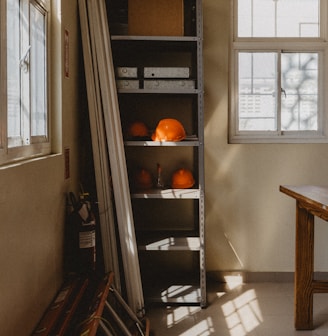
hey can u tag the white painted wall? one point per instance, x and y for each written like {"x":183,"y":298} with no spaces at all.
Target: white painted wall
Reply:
{"x":250,"y":225}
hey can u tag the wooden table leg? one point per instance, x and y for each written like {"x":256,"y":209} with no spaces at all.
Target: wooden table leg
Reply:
{"x":304,"y":268}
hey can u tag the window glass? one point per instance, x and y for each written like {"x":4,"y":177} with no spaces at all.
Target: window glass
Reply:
{"x":300,"y":84}
{"x":24,"y":68}
{"x":278,"y":85}
{"x":278,"y":18}
{"x":13,"y":69}
{"x":257,"y":91}
{"x":38,"y":72}
{"x":259,"y":107}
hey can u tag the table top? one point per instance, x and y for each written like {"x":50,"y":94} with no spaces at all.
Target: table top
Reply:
{"x":312,"y":194}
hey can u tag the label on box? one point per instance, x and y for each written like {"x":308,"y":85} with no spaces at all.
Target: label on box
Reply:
{"x":127,"y":72}
{"x":127,"y":84}
{"x":166,"y":72}
{"x":87,"y":239}
{"x":169,"y":84}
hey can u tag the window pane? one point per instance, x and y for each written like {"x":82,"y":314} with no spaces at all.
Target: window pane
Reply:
{"x":278,"y":18}
{"x":38,"y":72}
{"x":257,"y":91}
{"x":13,"y":69}
{"x":300,"y":84}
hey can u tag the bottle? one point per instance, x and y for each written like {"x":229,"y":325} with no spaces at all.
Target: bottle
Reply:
{"x":159,"y":183}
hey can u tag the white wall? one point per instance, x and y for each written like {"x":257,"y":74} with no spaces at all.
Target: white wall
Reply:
{"x":32,"y":202}
{"x":250,"y":225}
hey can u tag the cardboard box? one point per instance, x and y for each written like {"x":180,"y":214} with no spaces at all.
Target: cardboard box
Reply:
{"x":156,"y":17}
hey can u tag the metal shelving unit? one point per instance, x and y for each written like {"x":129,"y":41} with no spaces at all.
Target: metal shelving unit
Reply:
{"x":169,"y":222}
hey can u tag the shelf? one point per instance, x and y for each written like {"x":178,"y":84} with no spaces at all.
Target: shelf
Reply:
{"x":175,"y":294}
{"x":146,"y":143}
{"x":162,"y":91}
{"x":155,"y":38}
{"x":183,"y":290}
{"x":172,"y":244}
{"x":168,"y":194}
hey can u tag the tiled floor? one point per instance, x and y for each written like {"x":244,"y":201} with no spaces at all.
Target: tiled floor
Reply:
{"x":257,"y":309}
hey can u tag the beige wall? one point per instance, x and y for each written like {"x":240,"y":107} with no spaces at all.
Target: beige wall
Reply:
{"x":32,"y":202}
{"x":249,"y":223}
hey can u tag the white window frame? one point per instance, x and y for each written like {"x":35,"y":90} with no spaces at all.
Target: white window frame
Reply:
{"x":318,"y":45}
{"x":32,"y":146}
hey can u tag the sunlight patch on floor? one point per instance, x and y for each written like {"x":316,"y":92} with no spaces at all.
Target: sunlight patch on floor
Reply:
{"x":181,"y":294}
{"x":243,"y":314}
{"x":233,"y":281}
{"x":203,"y":328}
{"x":176,"y":315}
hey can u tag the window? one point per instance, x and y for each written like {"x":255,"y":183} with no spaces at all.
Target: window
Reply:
{"x":278,"y":71}
{"x":24,"y":116}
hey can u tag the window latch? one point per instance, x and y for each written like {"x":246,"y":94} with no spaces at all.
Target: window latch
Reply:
{"x":24,"y":61}
{"x":284,"y":92}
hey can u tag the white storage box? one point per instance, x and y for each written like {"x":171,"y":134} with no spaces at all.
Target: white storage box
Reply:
{"x":127,"y":84}
{"x":166,"y":72}
{"x":127,"y":72}
{"x":169,"y":84}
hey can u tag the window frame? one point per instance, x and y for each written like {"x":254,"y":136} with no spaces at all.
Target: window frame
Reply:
{"x":39,"y":145}
{"x":279,"y":45}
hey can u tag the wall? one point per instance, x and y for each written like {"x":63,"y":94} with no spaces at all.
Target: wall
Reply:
{"x":249,"y":224}
{"x":32,"y":200}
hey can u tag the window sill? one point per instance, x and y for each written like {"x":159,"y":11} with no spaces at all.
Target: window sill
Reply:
{"x":22,"y":162}
{"x":260,"y":139}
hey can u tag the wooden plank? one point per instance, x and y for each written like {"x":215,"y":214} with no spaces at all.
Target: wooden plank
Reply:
{"x":70,"y":310}
{"x":312,"y":198}
{"x":90,"y":325}
{"x":318,"y":195}
{"x":62,"y":302}
{"x":304,"y":263}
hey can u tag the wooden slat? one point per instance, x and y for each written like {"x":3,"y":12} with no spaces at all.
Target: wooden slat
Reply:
{"x":312,"y":198}
{"x":63,"y":301}
{"x":90,"y":325}
{"x":71,"y":308}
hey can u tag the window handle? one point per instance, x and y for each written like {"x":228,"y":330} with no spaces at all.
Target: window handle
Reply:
{"x":284,"y":92}
{"x":23,"y":62}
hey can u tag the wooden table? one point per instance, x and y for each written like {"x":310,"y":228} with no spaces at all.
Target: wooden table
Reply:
{"x":310,"y":201}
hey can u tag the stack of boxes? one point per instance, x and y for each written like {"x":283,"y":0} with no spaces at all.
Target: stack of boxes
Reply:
{"x":161,"y":78}
{"x":145,"y":18}
{"x":127,"y":78}
{"x":167,"y":78}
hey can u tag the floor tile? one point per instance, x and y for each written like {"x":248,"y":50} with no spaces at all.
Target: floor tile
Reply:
{"x":254,"y":309}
